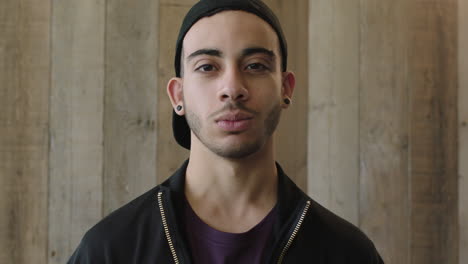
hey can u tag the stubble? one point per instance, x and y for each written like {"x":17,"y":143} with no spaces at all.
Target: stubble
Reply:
{"x":237,"y":151}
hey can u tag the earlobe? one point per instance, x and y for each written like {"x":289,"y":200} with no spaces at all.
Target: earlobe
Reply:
{"x":289,"y":82}
{"x":175,"y":92}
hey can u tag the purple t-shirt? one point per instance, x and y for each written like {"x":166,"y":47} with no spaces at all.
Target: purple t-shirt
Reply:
{"x":209,"y":245}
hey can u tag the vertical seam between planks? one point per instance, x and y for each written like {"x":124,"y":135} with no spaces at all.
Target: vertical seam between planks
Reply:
{"x":104,"y":94}
{"x":328,"y":107}
{"x":157,"y":78}
{"x":307,"y":64}
{"x":409,"y":133}
{"x":49,"y":135}
{"x":156,"y":82}
{"x":359,"y":155}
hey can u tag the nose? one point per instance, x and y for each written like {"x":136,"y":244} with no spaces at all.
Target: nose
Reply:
{"x":233,"y":86}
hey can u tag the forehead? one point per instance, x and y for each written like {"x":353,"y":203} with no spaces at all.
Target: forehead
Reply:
{"x":231,"y":31}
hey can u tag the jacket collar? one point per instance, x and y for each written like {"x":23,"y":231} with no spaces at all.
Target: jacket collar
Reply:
{"x":290,"y":197}
{"x":291,"y":201}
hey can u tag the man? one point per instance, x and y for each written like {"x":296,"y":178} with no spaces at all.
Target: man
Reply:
{"x":230,"y":202}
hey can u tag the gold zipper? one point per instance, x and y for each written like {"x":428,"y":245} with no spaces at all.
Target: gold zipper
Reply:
{"x":166,"y":228}
{"x":294,"y":233}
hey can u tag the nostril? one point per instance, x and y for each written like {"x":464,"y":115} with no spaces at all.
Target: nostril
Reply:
{"x":236,"y":93}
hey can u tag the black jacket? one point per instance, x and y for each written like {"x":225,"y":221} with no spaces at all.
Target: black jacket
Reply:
{"x":148,"y":230}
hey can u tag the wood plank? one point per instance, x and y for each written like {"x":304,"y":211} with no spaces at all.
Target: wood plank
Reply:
{"x":76,"y":122}
{"x":291,"y":134}
{"x":24,"y":95}
{"x":170,"y":154}
{"x":130,"y":100}
{"x":433,"y":118}
{"x":463,"y":129}
{"x":384,"y":192}
{"x":333,"y":102}
{"x":185,"y":4}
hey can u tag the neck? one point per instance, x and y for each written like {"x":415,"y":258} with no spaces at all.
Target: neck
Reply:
{"x":220,"y":188}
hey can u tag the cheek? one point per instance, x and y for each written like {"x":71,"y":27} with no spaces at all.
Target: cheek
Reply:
{"x":198,"y":100}
{"x":266,"y":91}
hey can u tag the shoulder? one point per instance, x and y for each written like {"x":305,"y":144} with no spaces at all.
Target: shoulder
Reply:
{"x":132,"y":231}
{"x":129,"y":215}
{"x":338,"y":236}
{"x":322,"y":234}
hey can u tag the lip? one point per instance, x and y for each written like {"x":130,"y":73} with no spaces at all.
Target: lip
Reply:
{"x":234,"y":121}
{"x":234,"y":116}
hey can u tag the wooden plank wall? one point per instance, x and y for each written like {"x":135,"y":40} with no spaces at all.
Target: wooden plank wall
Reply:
{"x":171,"y":155}
{"x":400,"y":116}
{"x":131,"y":57}
{"x":24,"y":121}
{"x":432,"y":82}
{"x":333,"y":105}
{"x":463,"y":128}
{"x":103,"y":113}
{"x":85,"y":119}
{"x":76,"y":118}
{"x":291,"y":134}
{"x":383,"y":134}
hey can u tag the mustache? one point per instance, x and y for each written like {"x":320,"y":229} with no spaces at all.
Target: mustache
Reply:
{"x":232,"y":106}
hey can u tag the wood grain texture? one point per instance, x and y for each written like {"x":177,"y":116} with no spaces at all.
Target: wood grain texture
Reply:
{"x":291,"y":134}
{"x":333,"y":129}
{"x":130,"y":100}
{"x":24,"y":96}
{"x":184,"y":4}
{"x":76,"y":124}
{"x":170,"y":154}
{"x":85,"y":122}
{"x":463,"y":129}
{"x":433,"y":126}
{"x":384,"y":207}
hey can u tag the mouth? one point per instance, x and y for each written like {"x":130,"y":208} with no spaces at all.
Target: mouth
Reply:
{"x":234,"y":121}
{"x":234,"y":116}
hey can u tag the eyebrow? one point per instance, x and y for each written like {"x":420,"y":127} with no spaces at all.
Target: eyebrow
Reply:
{"x":246,"y":52}
{"x":209,"y":52}
{"x":255,"y":50}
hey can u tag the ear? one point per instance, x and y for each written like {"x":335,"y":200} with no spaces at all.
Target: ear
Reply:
{"x":289,"y":82}
{"x":176,"y":94}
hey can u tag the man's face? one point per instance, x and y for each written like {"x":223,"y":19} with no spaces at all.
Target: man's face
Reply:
{"x":232,"y":83}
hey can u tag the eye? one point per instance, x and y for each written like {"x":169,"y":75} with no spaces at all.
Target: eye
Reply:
{"x":256,"y":67}
{"x":206,"y":68}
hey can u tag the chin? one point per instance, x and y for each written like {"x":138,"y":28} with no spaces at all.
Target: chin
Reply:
{"x":236,"y":151}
